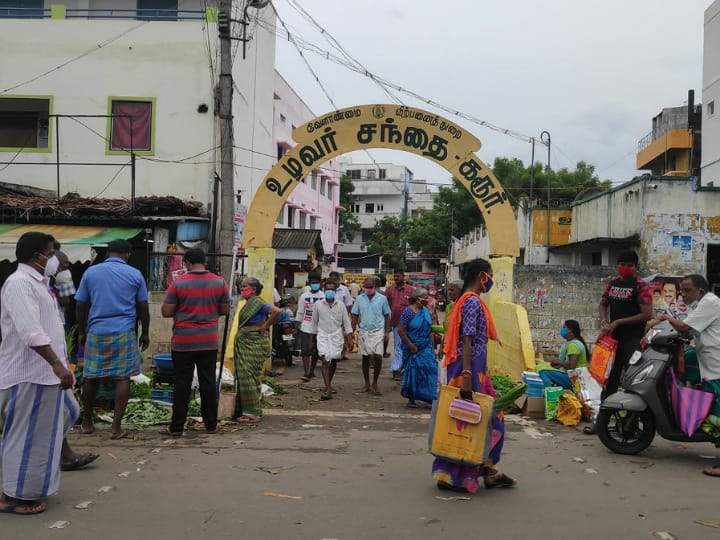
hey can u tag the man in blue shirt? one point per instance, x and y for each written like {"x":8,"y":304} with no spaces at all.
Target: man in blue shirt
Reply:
{"x":111,"y":298}
{"x":372,"y":311}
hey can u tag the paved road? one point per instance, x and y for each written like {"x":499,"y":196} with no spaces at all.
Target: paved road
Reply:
{"x":357,"y":468}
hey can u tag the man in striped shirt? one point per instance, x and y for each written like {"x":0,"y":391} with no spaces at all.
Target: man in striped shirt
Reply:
{"x":195,"y":301}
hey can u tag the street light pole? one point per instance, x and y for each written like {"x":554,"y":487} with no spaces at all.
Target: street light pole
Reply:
{"x":545,"y":137}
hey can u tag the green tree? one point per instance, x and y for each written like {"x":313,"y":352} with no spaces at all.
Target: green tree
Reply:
{"x":455,"y":213}
{"x":349,"y":225}
{"x":386,"y":240}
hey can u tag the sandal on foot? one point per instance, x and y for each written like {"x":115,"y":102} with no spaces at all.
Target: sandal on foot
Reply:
{"x":590,"y":430}
{"x":712,"y":471}
{"x":326,"y":395}
{"x":22,"y":508}
{"x":79,"y":462}
{"x":122,"y":435}
{"x":247,"y":419}
{"x":499,"y":480}
{"x":450,"y":487}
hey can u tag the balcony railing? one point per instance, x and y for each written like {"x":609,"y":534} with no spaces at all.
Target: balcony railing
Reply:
{"x":142,"y":14}
{"x":645,"y":142}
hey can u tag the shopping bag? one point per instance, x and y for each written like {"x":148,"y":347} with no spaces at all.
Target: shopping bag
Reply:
{"x":690,"y":406}
{"x":602,"y":359}
{"x":552,"y":394}
{"x":590,"y":390}
{"x":453,"y":439}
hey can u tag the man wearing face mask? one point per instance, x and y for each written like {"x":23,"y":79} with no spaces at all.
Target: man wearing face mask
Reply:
{"x":303,"y":317}
{"x":371,"y":312}
{"x":329,"y":318}
{"x":36,"y":407}
{"x":625,"y":307}
{"x":398,"y":296}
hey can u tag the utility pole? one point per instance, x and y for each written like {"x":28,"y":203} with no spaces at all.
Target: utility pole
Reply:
{"x":545,"y":137}
{"x":227,"y":180}
{"x":403,"y":224}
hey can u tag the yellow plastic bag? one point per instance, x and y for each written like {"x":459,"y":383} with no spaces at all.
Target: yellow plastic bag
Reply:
{"x":569,"y":409}
{"x":455,"y":440}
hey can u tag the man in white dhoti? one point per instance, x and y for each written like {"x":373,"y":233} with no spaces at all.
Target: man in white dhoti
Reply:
{"x":371,"y":312}
{"x":36,"y":407}
{"x":332,"y":330}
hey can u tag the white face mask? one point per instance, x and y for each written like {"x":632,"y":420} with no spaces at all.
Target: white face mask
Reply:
{"x":51,"y":267}
{"x":63,"y":277}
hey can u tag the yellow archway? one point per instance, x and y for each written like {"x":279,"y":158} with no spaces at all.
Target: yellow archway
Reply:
{"x":398,"y":128}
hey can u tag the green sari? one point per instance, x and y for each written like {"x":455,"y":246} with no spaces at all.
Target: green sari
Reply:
{"x":251,"y":350}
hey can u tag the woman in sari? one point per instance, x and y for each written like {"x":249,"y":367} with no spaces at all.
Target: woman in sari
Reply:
{"x":252,"y":347}
{"x":469,"y":329}
{"x":420,"y":370}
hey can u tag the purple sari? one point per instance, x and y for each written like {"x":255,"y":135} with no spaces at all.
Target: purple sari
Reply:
{"x":472,"y":323}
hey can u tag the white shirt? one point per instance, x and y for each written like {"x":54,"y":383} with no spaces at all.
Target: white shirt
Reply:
{"x":305,"y":309}
{"x":705,"y":322}
{"x":29,"y":318}
{"x":342,"y":294}
{"x":327,"y":319}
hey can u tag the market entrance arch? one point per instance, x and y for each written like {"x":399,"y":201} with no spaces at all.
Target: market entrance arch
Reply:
{"x":377,"y":126}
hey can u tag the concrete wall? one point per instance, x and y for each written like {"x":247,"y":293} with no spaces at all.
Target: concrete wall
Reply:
{"x":553,"y":294}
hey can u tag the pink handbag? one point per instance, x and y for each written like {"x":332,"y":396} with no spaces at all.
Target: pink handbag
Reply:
{"x":690,"y":406}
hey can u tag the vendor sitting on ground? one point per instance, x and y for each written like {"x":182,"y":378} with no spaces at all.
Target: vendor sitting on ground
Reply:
{"x":573,"y":354}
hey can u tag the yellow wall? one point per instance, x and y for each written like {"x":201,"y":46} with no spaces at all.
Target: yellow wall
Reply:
{"x":516,"y":353}
{"x":674,"y":138}
{"x":560,"y":225}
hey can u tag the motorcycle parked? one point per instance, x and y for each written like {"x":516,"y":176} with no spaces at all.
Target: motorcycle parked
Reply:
{"x":628,"y":420}
{"x":283,"y":335}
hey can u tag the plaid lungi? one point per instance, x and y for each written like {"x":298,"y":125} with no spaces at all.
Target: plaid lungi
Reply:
{"x":114,"y":356}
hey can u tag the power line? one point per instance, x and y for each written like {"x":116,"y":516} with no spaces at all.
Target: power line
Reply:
{"x":333,"y":42}
{"x":67,"y":62}
{"x":301,"y":44}
{"x":112,"y":179}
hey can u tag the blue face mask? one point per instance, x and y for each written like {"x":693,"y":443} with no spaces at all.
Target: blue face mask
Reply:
{"x":488,"y":283}
{"x":330,"y":295}
{"x":314,"y":287}
{"x":564,"y":332}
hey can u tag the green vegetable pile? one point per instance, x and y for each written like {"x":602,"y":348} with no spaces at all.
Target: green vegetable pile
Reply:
{"x":145,"y":412}
{"x":140,"y":391}
{"x":276,"y":386}
{"x":507,"y":391}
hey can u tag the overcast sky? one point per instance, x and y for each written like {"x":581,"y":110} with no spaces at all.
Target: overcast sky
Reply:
{"x":591,"y":73}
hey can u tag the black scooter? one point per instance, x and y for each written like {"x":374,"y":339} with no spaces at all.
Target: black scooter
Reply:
{"x":628,"y":420}
{"x":283,"y":335}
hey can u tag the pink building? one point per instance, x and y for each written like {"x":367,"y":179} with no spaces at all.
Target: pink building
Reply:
{"x":314,"y":204}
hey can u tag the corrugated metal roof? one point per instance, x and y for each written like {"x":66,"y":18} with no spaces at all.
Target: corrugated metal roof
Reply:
{"x":297,"y":239}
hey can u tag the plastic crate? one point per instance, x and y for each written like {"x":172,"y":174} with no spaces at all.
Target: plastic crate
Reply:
{"x":164,"y":362}
{"x":162,"y":395}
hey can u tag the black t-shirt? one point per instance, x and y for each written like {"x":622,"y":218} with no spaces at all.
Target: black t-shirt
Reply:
{"x":623,"y":298}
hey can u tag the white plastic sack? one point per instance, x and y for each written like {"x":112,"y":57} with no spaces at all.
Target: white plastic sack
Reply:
{"x":266,"y":391}
{"x":140,"y":379}
{"x":227,"y":377}
{"x":590,"y":390}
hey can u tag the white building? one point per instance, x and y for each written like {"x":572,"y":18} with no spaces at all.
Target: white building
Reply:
{"x":711,"y":98}
{"x":154,"y":60}
{"x":381,"y":190}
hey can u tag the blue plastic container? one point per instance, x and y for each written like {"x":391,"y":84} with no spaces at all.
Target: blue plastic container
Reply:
{"x":164,"y":362}
{"x":165,"y":396}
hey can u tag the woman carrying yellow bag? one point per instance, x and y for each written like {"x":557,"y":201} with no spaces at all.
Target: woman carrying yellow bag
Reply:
{"x":465,"y":349}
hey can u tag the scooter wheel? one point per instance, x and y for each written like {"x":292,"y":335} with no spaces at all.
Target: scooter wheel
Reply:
{"x":625,"y":432}
{"x":289,"y":359}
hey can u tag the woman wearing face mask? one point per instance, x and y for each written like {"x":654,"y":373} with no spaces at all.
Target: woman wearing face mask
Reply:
{"x":419,"y":362}
{"x":469,"y":329}
{"x":252,"y":347}
{"x":573,"y":354}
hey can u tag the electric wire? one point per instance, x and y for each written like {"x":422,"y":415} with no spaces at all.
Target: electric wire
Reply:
{"x":112,"y":179}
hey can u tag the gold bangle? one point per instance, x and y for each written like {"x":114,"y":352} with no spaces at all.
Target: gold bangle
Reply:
{"x":466,"y":372}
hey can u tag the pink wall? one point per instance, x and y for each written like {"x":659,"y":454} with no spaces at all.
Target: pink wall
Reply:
{"x":289,"y":112}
